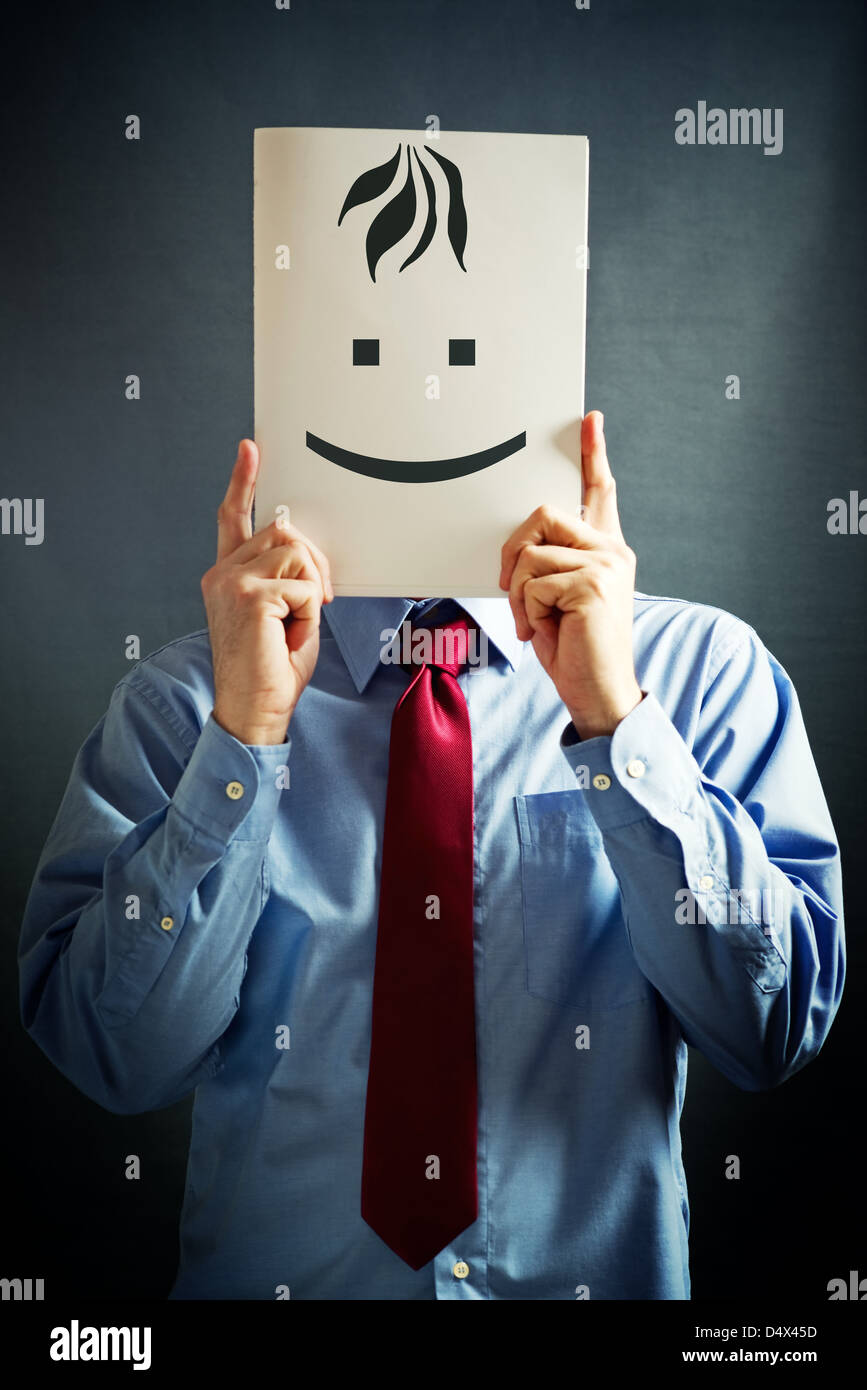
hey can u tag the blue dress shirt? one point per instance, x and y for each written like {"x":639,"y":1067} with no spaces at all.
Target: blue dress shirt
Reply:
{"x":204,"y":915}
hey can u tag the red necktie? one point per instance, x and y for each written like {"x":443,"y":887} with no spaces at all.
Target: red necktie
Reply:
{"x":418,"y":1185}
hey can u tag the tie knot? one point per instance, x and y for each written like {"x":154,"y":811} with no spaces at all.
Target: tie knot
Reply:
{"x":445,"y":645}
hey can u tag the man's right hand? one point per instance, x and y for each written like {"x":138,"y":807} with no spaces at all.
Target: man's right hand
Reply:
{"x":263,"y":598}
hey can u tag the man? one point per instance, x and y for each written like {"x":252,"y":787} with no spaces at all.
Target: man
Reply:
{"x":653,"y":865}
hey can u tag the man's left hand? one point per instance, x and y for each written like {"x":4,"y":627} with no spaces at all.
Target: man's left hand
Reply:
{"x":571,"y":584}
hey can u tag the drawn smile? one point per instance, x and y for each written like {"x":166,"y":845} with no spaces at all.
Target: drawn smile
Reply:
{"x":410,"y":470}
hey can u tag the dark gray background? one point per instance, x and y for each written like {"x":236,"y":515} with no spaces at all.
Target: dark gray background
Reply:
{"x":127,"y":257}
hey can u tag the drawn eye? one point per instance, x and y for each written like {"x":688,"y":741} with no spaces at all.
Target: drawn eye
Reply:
{"x":365,"y":352}
{"x":462,"y":352}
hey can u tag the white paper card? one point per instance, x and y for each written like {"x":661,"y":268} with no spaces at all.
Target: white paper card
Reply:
{"x":419,"y":346}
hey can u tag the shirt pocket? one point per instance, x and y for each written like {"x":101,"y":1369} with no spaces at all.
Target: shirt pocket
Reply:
{"x":575,"y":944}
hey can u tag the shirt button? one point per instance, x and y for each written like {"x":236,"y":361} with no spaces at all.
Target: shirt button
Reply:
{"x":234,"y":790}
{"x":167,"y":923}
{"x":460,"y":1270}
{"x":601,"y":782}
{"x":636,"y":768}
{"x":705,"y":882}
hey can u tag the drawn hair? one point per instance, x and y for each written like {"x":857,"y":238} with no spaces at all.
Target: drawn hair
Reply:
{"x":395,"y":219}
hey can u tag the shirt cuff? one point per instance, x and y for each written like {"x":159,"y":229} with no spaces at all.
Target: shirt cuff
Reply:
{"x":643,"y":769}
{"x":231,"y":790}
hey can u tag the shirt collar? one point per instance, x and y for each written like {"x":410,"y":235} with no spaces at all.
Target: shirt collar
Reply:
{"x":356,"y":625}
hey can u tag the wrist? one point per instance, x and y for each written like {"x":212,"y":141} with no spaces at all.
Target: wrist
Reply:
{"x":601,"y":721}
{"x":254,"y":735}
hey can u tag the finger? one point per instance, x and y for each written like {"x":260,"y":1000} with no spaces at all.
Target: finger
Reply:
{"x":292,"y":561}
{"x":516,"y":603}
{"x":277,"y":534}
{"x":234,"y":521}
{"x":600,"y":490}
{"x":545,"y":635}
{"x":542,"y":598}
{"x":551,"y":526}
{"x":300,"y":601}
{"x":538,"y":560}
{"x":319,"y":556}
{"x":536,"y":605}
{"x":550,"y":559}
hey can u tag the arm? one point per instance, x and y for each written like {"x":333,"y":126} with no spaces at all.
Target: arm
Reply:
{"x":135,"y":934}
{"x":134,"y":938}
{"x":742,"y":813}
{"x":728,"y":866}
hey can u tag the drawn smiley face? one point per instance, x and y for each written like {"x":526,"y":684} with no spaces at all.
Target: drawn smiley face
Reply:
{"x":392,"y":222}
{"x":462,"y":352}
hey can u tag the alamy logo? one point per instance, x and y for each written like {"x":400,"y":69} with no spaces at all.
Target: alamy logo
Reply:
{"x":22,"y":1290}
{"x":737,"y":126}
{"x":856,"y":1288}
{"x":395,"y":219}
{"x":23,"y":515}
{"x":764,"y":907}
{"x":76,"y":1343}
{"x":441,"y":646}
{"x":848,"y":520}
